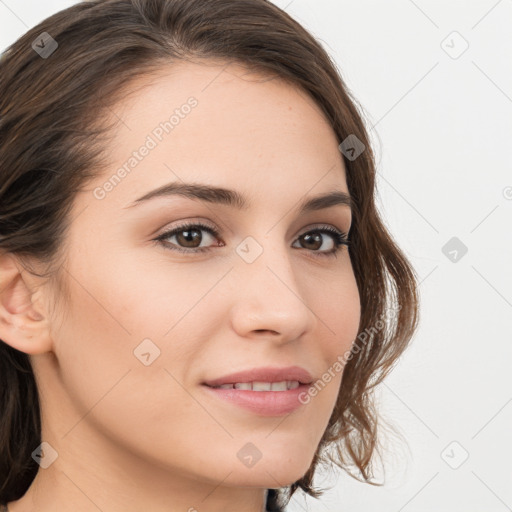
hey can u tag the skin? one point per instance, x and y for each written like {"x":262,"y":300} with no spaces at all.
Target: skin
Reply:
{"x":132,"y":437}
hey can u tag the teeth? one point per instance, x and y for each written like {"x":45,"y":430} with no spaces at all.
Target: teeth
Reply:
{"x":243,"y":385}
{"x":262,"y":386}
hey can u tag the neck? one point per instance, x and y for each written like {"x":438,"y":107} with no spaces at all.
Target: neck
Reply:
{"x":98,"y":477}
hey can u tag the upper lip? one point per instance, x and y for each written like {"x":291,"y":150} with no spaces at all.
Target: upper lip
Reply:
{"x":264,"y":374}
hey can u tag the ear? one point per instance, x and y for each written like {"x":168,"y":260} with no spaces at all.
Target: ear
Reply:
{"x":23,"y":321}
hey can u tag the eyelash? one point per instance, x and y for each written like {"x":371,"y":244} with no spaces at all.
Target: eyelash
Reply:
{"x":340,"y":239}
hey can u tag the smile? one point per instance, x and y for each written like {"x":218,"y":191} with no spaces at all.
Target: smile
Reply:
{"x":261,"y":386}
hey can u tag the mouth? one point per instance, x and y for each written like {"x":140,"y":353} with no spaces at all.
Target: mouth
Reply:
{"x":263,"y":391}
{"x":284,"y":385}
{"x":263,"y":379}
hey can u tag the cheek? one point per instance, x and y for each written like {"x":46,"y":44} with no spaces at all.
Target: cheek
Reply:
{"x":109,"y":384}
{"x":338,"y":310}
{"x":126,"y":313}
{"x":92,"y":345}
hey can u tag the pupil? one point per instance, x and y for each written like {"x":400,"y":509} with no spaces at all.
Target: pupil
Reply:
{"x":316,"y":238}
{"x":189,"y":237}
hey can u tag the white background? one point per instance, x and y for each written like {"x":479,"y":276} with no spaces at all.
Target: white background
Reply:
{"x":442,"y":130}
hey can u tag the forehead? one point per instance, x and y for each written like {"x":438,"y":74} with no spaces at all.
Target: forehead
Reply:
{"x":219,"y":123}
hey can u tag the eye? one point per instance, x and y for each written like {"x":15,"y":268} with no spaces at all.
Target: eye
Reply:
{"x":188,"y":239}
{"x":316,"y":238}
{"x":189,"y":235}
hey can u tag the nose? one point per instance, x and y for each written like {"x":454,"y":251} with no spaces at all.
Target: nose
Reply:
{"x":270,"y":299}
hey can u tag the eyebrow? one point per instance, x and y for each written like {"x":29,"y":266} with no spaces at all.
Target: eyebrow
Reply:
{"x":234,"y":199}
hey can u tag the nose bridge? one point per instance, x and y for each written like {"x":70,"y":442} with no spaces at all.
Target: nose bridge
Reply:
{"x":270,"y":298}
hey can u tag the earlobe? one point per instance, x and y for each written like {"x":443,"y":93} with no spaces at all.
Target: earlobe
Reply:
{"x":23,"y":324}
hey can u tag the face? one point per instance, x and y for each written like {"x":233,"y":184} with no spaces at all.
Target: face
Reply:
{"x":153,"y":316}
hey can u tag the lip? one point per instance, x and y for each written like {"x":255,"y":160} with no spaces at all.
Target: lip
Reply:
{"x":263,"y":403}
{"x":264,"y":374}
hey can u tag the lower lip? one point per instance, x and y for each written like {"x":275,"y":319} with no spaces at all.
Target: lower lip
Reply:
{"x":264,"y":403}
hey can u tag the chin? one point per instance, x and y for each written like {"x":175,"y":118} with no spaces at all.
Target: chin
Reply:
{"x":274,"y":472}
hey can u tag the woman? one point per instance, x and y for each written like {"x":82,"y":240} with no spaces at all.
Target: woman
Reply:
{"x":195,"y":283}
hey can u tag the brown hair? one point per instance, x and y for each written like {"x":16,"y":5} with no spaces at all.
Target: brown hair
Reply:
{"x":52,"y":142}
